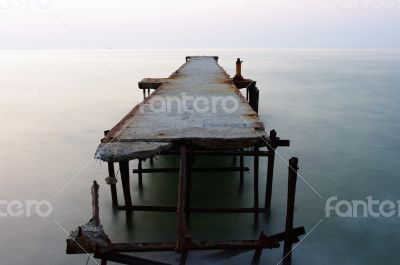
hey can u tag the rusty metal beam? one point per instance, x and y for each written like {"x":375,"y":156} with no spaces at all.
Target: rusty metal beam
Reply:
{"x":148,"y":208}
{"x":219,"y":153}
{"x":203,"y":244}
{"x":195,"y":169}
{"x":126,"y":259}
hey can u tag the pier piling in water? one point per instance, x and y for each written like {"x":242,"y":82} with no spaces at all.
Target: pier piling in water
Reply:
{"x":112,"y":181}
{"x":292,"y":179}
{"x":270,"y":169}
{"x":124,"y":170}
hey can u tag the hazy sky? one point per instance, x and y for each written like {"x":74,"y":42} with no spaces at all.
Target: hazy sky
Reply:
{"x":28,"y":24}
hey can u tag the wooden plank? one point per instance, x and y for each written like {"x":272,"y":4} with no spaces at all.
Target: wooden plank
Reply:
{"x":151,"y":83}
{"x":118,"y":152}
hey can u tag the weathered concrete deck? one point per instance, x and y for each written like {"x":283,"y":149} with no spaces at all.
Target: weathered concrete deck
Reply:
{"x":147,"y":130}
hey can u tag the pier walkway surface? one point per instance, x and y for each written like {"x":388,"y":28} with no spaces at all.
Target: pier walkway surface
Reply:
{"x":199,"y":103}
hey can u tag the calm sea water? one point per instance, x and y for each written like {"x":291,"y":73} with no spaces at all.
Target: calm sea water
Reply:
{"x":339,"y":108}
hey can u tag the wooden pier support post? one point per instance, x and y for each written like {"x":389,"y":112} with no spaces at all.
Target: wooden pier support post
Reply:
{"x":188,"y":183}
{"x":95,"y":203}
{"x":292,"y":178}
{"x":113,"y":187}
{"x":140,"y":174}
{"x":270,"y":170}
{"x":124,"y":169}
{"x":241,"y":164}
{"x":112,"y":181}
{"x":257,"y":253}
{"x":256,"y":167}
{"x":254,"y":94}
{"x":180,"y":218}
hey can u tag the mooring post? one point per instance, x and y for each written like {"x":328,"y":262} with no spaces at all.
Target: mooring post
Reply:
{"x":112,"y":181}
{"x":270,"y":169}
{"x":140,"y":174}
{"x":124,"y":169}
{"x":292,"y":178}
{"x":95,"y":203}
{"x":103,"y":262}
{"x":238,"y":75}
{"x":256,"y":162}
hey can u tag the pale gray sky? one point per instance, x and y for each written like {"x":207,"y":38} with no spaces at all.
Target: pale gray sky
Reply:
{"x":31,"y":24}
